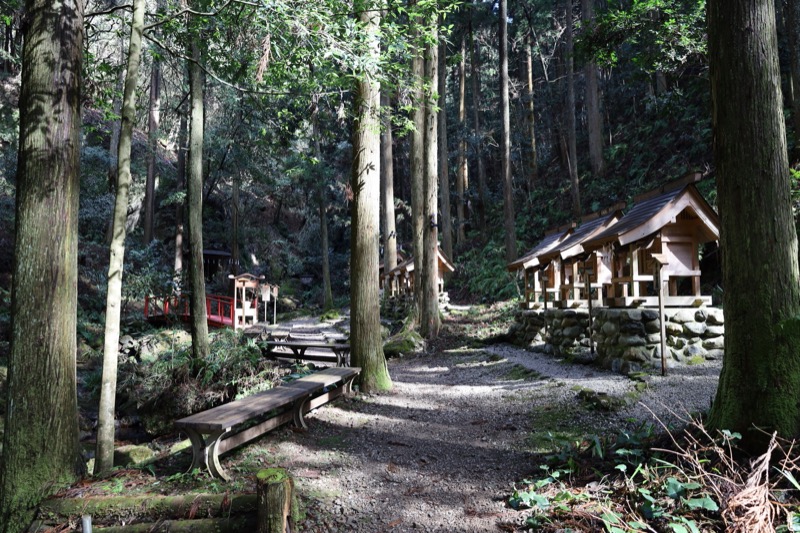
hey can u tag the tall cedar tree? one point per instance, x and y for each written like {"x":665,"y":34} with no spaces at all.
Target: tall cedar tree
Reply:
{"x":594,"y":122}
{"x":505,"y":140}
{"x":444,"y":168}
{"x":760,"y":380}
{"x":104,"y":454}
{"x":428,"y":275}
{"x":569,"y":112}
{"x":194,"y":190}
{"x":365,"y":336}
{"x":41,"y":452}
{"x":387,"y":188}
{"x":462,"y":175}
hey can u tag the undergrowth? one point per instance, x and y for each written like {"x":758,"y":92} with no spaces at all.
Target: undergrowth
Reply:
{"x":683,"y":482}
{"x":175,"y":384}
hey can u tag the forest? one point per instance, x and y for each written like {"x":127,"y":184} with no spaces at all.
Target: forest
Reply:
{"x":172,"y":156}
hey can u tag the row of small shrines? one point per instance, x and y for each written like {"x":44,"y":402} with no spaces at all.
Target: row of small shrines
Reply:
{"x":616,"y":260}
{"x":609,"y":258}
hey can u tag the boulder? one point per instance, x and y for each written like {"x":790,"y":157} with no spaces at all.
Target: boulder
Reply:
{"x":713,"y":355}
{"x":132,"y":455}
{"x":701,"y":315}
{"x":673,"y":328}
{"x":717,"y":343}
{"x":694,"y":350}
{"x":649,"y":314}
{"x":694,"y":329}
{"x":715,"y":316}
{"x":610,"y":328}
{"x":683,"y":315}
{"x":715,"y":331}
{"x":631,"y":340}
{"x":636,"y":353}
{"x":652,"y":326}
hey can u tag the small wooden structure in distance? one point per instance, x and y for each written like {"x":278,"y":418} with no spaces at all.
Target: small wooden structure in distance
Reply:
{"x":400,"y":280}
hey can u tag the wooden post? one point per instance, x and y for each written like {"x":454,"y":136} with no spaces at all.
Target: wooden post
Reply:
{"x":276,"y":501}
{"x":275,"y":305}
{"x":587,"y":276}
{"x":661,"y":262}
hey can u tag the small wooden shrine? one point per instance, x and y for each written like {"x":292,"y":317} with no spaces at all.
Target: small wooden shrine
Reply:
{"x":539,"y":277}
{"x":578,"y":273}
{"x":660,"y":236}
{"x":400,"y":280}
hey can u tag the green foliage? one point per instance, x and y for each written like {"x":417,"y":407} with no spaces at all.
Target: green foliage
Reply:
{"x":174,"y":384}
{"x":482,"y":271}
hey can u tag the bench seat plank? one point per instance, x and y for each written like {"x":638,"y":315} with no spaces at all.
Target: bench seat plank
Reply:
{"x":233,"y":413}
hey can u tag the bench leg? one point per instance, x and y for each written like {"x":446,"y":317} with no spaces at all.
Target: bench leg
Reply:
{"x":205,"y":453}
{"x":298,"y":411}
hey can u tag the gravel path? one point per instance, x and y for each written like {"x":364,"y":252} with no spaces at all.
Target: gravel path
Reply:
{"x":442,"y":450}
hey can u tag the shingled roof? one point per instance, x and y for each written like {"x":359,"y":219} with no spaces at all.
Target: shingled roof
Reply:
{"x":591,"y":225}
{"x":552,"y":238}
{"x":655,"y":210}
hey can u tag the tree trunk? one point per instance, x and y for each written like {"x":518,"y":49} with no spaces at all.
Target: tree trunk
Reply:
{"x":594,"y":121}
{"x":505,"y":140}
{"x":327,"y":293}
{"x":462,"y":176}
{"x":427,"y":263}
{"x":418,"y":175}
{"x":533,"y":176}
{"x":181,"y":177}
{"x":387,"y":188}
{"x":41,"y":452}
{"x":793,"y":33}
{"x":154,"y":117}
{"x":760,"y":379}
{"x":197,"y":282}
{"x":569,"y":114}
{"x":276,"y":501}
{"x":113,"y":146}
{"x":365,"y":337}
{"x":476,"y":117}
{"x":236,"y":255}
{"x":444,"y":167}
{"x":104,"y":455}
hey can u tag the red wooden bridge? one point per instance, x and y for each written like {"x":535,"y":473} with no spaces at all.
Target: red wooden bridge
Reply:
{"x":219,"y":309}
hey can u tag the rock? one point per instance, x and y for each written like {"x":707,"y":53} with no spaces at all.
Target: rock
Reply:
{"x":694,"y":329}
{"x":700,"y":315}
{"x":717,"y":343}
{"x":653,"y":326}
{"x":573,"y":332}
{"x":610,"y":328}
{"x":631,"y":340}
{"x":649,"y":314}
{"x":654,"y":338}
{"x":715,"y":331}
{"x":713,"y":355}
{"x":569,"y":322}
{"x":636,"y":353}
{"x":694,"y":350}
{"x":632,"y":328}
{"x":405,"y":342}
{"x":715,"y":316}
{"x":634,"y":315}
{"x":673,"y":328}
{"x":629,"y":367}
{"x":683,"y":315}
{"x":132,"y":454}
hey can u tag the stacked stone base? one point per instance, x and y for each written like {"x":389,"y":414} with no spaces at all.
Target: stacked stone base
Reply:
{"x":625,"y":340}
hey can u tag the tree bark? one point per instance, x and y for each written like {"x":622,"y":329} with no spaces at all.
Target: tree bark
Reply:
{"x":153,"y":120}
{"x":792,"y":18}
{"x":760,"y":379}
{"x":41,"y":452}
{"x":387,"y":188}
{"x":104,"y":454}
{"x":418,"y":174}
{"x":533,"y":175}
{"x":569,"y":113}
{"x":462,"y":177}
{"x":505,"y":140}
{"x":444,"y":167}
{"x":476,"y":118}
{"x":427,"y":263}
{"x":594,"y":121}
{"x":365,"y":338}
{"x":322,"y":207}
{"x":181,"y":178}
{"x":197,"y":282}
{"x":236,"y":255}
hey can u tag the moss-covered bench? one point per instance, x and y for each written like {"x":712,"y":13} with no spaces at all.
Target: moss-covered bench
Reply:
{"x":210,"y":430}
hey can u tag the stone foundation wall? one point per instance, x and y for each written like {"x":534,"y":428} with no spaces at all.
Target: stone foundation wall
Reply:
{"x":625,"y":340}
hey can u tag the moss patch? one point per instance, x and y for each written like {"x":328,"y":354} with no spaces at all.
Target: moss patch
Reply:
{"x":519,"y":372}
{"x":405,"y":342}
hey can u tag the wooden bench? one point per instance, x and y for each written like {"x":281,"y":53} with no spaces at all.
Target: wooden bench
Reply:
{"x":297,"y":349}
{"x":288,"y":402}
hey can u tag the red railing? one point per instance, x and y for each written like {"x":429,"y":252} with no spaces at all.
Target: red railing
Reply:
{"x":219,"y":309}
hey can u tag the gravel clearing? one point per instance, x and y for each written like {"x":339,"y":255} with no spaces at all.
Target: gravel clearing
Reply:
{"x":442,"y":451}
